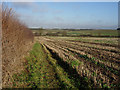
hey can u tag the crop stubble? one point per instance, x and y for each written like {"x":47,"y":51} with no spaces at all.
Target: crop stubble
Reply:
{"x":97,"y":62}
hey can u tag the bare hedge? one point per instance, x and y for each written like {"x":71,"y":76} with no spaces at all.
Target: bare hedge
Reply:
{"x":17,"y":40}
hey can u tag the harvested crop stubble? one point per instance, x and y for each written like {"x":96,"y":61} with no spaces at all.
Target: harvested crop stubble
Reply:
{"x":88,"y":63}
{"x":100,"y":64}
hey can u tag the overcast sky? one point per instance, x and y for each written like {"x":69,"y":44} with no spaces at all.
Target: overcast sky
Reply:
{"x":95,"y":15}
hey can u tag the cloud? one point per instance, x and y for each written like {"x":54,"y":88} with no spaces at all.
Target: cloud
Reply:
{"x":30,"y":5}
{"x":42,"y":9}
{"x":34,"y":7}
{"x":57,"y":18}
{"x":23,"y":5}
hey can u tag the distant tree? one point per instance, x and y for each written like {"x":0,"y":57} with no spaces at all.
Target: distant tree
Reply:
{"x":40,"y":31}
{"x":118,"y":28}
{"x":57,"y":33}
{"x":41,"y":28}
{"x":99,"y":34}
{"x":64,"y":33}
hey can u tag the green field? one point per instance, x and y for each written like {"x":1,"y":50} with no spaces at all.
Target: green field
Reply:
{"x":95,"y":32}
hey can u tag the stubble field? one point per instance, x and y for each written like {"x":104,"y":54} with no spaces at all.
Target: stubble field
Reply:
{"x":71,"y":62}
{"x":96,"y":59}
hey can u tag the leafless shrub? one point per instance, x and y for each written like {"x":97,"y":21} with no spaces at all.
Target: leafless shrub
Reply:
{"x":16,"y":41}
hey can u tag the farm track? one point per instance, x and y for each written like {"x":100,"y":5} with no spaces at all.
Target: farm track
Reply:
{"x":75,"y":80}
{"x":51,"y":80}
{"x":72,"y":72}
{"x":107,"y":70}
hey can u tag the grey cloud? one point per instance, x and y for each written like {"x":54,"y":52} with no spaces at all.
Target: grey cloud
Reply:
{"x":23,"y":4}
{"x":34,"y":7}
{"x":57,"y":18}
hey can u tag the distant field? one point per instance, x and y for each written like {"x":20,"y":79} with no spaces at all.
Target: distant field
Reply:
{"x":107,"y":33}
{"x":95,"y":32}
